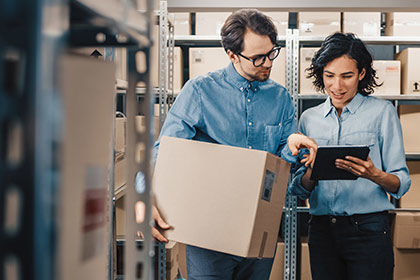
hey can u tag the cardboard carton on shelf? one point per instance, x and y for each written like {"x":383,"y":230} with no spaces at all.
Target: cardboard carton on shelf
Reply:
{"x":363,"y":24}
{"x":407,"y":230}
{"x":204,"y":60}
{"x":410,"y":74}
{"x":306,"y":84}
{"x":406,"y":264}
{"x":402,"y":24}
{"x":210,"y":23}
{"x":388,"y":73}
{"x":85,"y":159}
{"x":234,"y":212}
{"x":410,"y":118}
{"x":412,"y":198}
{"x":318,"y":23}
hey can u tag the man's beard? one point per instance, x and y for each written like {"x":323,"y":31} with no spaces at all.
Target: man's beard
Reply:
{"x":261,"y":77}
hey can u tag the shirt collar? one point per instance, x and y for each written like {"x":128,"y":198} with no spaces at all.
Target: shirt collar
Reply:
{"x":234,"y":77}
{"x":351,"y":107}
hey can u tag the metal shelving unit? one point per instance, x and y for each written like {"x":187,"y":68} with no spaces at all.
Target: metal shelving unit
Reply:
{"x":33,"y":35}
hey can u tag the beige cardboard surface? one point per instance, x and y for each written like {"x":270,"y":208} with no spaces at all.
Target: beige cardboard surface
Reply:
{"x":120,"y":169}
{"x":406,"y":264}
{"x":204,"y":60}
{"x":83,"y":215}
{"x":363,"y":24}
{"x":210,"y":23}
{"x":412,"y":198}
{"x":410,"y":118}
{"x":305,"y":265}
{"x":120,"y":132}
{"x":407,"y":230}
{"x":278,"y":70}
{"x":318,"y":23}
{"x":280,"y":20}
{"x":213,"y":196}
{"x":389,"y":74}
{"x":306,"y":84}
{"x":277,"y":271}
{"x":402,"y":24}
{"x":410,"y":70}
{"x":181,"y":23}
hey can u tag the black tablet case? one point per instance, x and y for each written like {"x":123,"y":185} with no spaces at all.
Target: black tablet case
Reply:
{"x":324,"y":165}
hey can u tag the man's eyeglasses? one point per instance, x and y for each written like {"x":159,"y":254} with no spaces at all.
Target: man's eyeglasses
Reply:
{"x":260,"y":59}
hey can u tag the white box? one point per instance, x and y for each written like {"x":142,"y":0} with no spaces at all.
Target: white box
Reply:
{"x":402,"y":24}
{"x":318,"y":23}
{"x":410,"y":119}
{"x":204,"y":60}
{"x":363,"y":24}
{"x":278,"y":70}
{"x":181,"y":21}
{"x":210,"y":23}
{"x":388,"y":73}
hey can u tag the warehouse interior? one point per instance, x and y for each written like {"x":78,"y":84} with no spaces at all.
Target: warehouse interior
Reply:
{"x":85,"y":87}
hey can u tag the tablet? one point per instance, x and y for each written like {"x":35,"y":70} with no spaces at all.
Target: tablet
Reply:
{"x":324,"y":165}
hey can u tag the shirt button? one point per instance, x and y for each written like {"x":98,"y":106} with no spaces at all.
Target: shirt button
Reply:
{"x":250,"y":123}
{"x":242,"y":88}
{"x":249,"y":147}
{"x":333,"y":220}
{"x":249,"y":100}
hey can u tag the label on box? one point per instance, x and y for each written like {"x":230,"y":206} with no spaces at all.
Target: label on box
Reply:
{"x":268,"y":185}
{"x":94,"y":212}
{"x":415,"y":86}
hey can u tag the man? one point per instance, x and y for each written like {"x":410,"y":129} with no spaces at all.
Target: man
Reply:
{"x":238,"y":106}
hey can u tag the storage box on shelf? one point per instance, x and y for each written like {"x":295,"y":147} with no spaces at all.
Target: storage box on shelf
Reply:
{"x":306,"y":84}
{"x":204,"y":60}
{"x":402,"y":24}
{"x":277,"y":271}
{"x":210,"y":23}
{"x":388,"y":73}
{"x":182,"y":24}
{"x":407,"y":230}
{"x":406,"y":264}
{"x":412,"y":198}
{"x":363,"y":24}
{"x":410,"y":118}
{"x":250,"y":225}
{"x":410,"y":70}
{"x":318,"y":23}
{"x":280,"y":20}
{"x":86,"y":160}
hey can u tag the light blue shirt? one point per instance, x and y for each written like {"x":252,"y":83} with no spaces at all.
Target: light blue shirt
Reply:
{"x":223,"y":107}
{"x":365,"y":120}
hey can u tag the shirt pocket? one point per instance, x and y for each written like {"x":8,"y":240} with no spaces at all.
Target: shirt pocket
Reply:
{"x":359,"y":138}
{"x":272,"y":137}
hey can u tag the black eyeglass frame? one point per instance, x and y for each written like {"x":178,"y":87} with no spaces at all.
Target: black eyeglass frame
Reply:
{"x":264,"y":56}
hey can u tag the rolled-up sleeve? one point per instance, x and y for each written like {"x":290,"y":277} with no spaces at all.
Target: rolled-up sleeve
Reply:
{"x":392,"y":150}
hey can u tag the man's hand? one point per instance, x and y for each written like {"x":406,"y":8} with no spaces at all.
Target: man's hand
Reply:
{"x":298,"y":141}
{"x":160,"y":224}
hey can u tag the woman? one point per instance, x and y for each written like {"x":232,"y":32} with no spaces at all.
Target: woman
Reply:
{"x":349,"y":233}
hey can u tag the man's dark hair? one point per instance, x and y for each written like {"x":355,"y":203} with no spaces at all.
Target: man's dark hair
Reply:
{"x":236,"y":24}
{"x":337,"y":45}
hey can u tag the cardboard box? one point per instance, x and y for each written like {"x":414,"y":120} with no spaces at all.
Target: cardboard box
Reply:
{"x":119,"y":218}
{"x":412,"y":198}
{"x":389,"y":73}
{"x":278,"y":70}
{"x":214,"y":218}
{"x":204,"y":60}
{"x":280,"y":20}
{"x":120,"y":60}
{"x":210,"y":23}
{"x":410,"y":74}
{"x":402,"y":24}
{"x":363,"y":24}
{"x":120,"y":132}
{"x":305,"y":264}
{"x":318,"y":23}
{"x":86,"y":154}
{"x":182,"y":24}
{"x":410,"y":118}
{"x":406,"y":264}
{"x":120,"y":171}
{"x":172,"y":260}
{"x":305,"y":84}
{"x":407,"y":230}
{"x":277,"y":271}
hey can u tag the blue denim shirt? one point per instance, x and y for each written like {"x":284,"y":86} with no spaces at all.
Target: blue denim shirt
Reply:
{"x":223,"y":107}
{"x":365,"y":120}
